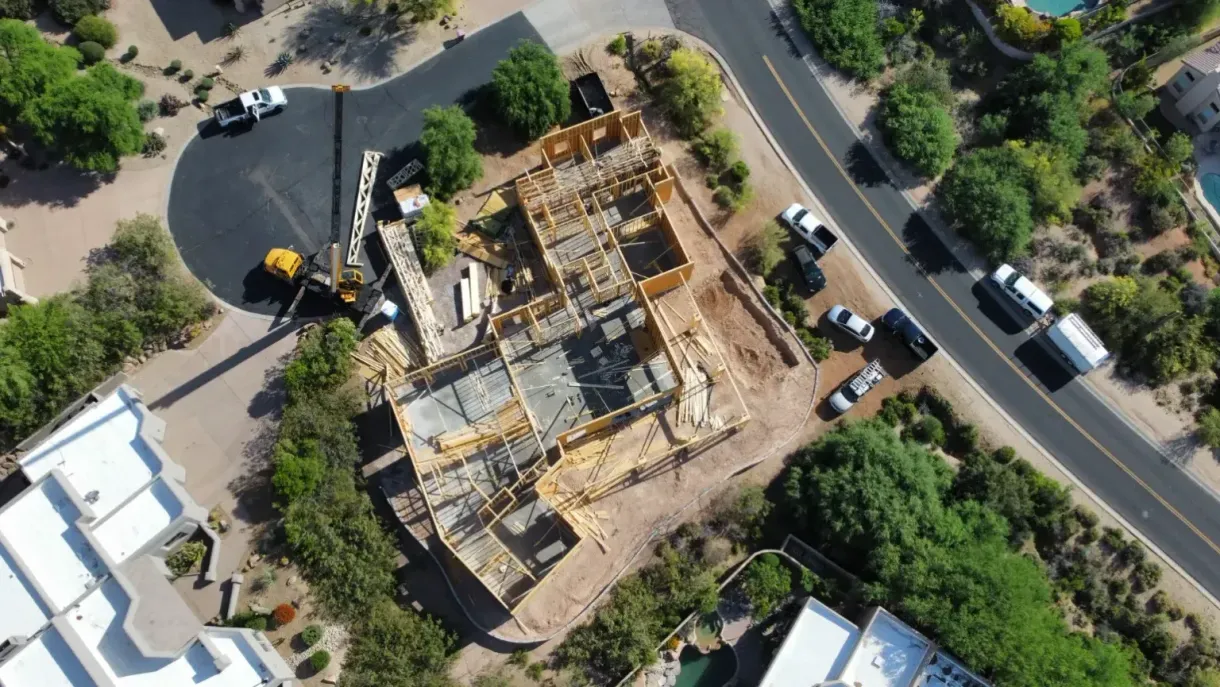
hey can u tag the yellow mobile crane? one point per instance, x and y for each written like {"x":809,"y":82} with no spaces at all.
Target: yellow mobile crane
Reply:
{"x":292,"y":267}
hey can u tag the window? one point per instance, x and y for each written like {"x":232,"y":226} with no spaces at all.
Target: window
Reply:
{"x":1190,"y":77}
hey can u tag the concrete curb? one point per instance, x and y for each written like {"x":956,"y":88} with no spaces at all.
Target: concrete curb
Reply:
{"x":807,"y":58}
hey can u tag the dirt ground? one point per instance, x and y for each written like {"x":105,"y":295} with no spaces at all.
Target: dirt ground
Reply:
{"x":777,"y":393}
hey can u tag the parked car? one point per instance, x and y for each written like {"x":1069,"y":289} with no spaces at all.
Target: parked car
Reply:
{"x":910,"y":333}
{"x":851,"y":391}
{"x":815,"y":278}
{"x":851,"y":323}
{"x":1078,"y":344}
{"x":1022,"y":291}
{"x":251,"y":106}
{"x":810,"y":228}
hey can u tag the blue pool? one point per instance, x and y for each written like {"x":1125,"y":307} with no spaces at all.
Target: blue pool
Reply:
{"x":707,"y":670}
{"x":1211,"y":189}
{"x":1055,"y":8}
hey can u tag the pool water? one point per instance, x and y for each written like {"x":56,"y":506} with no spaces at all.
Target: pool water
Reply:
{"x":1211,"y":189}
{"x":1055,"y":8}
{"x":706,"y":670}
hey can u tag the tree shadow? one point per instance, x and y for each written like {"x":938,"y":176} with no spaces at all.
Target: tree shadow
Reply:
{"x":56,"y":186}
{"x":863,"y":168}
{"x":355,"y":37}
{"x":204,"y":18}
{"x":777,"y":27}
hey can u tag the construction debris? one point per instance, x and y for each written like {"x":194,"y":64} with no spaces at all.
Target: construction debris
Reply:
{"x":385,"y":355}
{"x":479,"y":247}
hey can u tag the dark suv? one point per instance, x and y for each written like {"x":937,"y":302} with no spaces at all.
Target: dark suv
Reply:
{"x":815,"y":278}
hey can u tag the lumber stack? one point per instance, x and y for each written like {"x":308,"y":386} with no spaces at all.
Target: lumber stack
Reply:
{"x":384,"y":355}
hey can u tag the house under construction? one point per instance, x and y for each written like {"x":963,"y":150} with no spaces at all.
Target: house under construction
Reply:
{"x":602,"y":381}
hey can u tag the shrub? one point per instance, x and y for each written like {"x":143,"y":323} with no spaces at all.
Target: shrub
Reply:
{"x":765,"y":249}
{"x":1112,"y":538}
{"x":1087,"y":536}
{"x":1146,"y":575}
{"x":691,"y":93}
{"x":174,"y":66}
{"x":992,"y":128}
{"x":733,"y":199}
{"x":448,"y":139}
{"x":170,"y":104}
{"x":1067,"y":30}
{"x":202,"y":94}
{"x":530,"y":90}
{"x":1004,"y":455}
{"x":132,"y":51}
{"x":284,"y":60}
{"x":618,"y":45}
{"x":1207,"y":427}
{"x":91,"y":53}
{"x":519,"y":658}
{"x":187,"y":75}
{"x":147,"y":110}
{"x":964,"y":439}
{"x":427,"y":10}
{"x":846,"y":34}
{"x":284,"y":614}
{"x":265,"y":579}
{"x":319,"y":660}
{"x":236,"y":54}
{"x":1087,"y":518}
{"x":96,"y":29}
{"x":739,"y":172}
{"x":766,"y":583}
{"x":434,"y":232}
{"x":716,"y":148}
{"x":206,"y":83}
{"x":154,"y":144}
{"x":1132,"y":553}
{"x":185,"y":558}
{"x":230,"y":29}
{"x":1020,"y":25}
{"x":819,"y":347}
{"x":311,"y":635}
{"x":651,"y":50}
{"x":535,"y":670}
{"x":258,"y":623}
{"x":68,"y":12}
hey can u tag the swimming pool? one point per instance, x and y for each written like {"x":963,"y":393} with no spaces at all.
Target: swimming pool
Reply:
{"x":707,"y":670}
{"x":1211,"y":189}
{"x":1055,"y":8}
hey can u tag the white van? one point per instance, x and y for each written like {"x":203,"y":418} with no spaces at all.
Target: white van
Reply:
{"x":1078,"y":344}
{"x":1022,"y":291}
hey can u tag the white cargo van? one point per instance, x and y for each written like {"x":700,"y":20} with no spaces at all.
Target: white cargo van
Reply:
{"x":1078,"y":344}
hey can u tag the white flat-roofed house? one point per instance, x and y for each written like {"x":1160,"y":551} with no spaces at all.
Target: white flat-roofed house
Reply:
{"x":824,"y":649}
{"x":85,"y":596}
{"x":1195,"y":88}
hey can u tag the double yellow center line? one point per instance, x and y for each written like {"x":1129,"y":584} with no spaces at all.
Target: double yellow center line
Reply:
{"x":971,"y":323}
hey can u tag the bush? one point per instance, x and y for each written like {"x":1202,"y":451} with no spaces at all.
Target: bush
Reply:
{"x":96,"y":29}
{"x":284,"y":614}
{"x":918,"y":128}
{"x":1004,"y":455}
{"x":147,"y":110}
{"x":846,"y":34}
{"x":207,"y":83}
{"x":767,"y":581}
{"x":448,"y":140}
{"x":1132,"y":553}
{"x":187,"y":76}
{"x":202,"y":94}
{"x":258,"y":623}
{"x":185,"y":558}
{"x":319,"y":660}
{"x":1020,"y":25}
{"x":68,"y":12}
{"x":535,"y":670}
{"x":434,"y":232}
{"x":174,"y":67}
{"x":91,"y":53}
{"x":733,"y":199}
{"x":1087,"y":518}
{"x":819,"y":347}
{"x":651,"y":50}
{"x":519,"y":658}
{"x":1067,"y":30}
{"x":154,"y":144}
{"x":992,"y":128}
{"x":22,"y":10}
{"x":927,"y":430}
{"x":691,"y":93}
{"x":716,"y":148}
{"x":1207,"y":427}
{"x":170,"y":104}
{"x":1146,"y":575}
{"x":765,"y":249}
{"x":963,"y":439}
{"x":530,"y":90}
{"x":618,"y":45}
{"x":132,"y":52}
{"x":311,"y":635}
{"x":427,"y":10}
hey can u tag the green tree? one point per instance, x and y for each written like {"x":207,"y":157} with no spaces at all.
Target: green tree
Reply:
{"x":984,"y":195}
{"x":346,"y":556}
{"x":846,"y":34}
{"x":918,"y":128}
{"x":716,"y":148}
{"x":427,"y":10}
{"x":323,"y":360}
{"x":739,"y":514}
{"x":90,"y":120}
{"x":767,"y":581}
{"x":1049,"y":174}
{"x":1179,"y":150}
{"x":1057,"y":118}
{"x":29,"y":66}
{"x":1020,"y":25}
{"x":1203,"y":677}
{"x":394,"y":646}
{"x":765,"y":249}
{"x":448,"y":141}
{"x":691,"y":93}
{"x":434,"y":231}
{"x":68,"y":12}
{"x":530,"y":90}
{"x":1134,"y":105}
{"x":1207,"y":428}
{"x":1067,"y":30}
{"x":299,"y":470}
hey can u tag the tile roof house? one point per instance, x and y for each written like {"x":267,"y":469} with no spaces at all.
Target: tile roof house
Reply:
{"x":1195,"y":88}
{"x":86,"y":595}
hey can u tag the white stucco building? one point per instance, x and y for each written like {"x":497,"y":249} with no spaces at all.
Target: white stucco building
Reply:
{"x":85,"y":597}
{"x":1195,"y":88}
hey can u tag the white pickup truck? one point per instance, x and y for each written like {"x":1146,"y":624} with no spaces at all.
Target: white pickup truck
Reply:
{"x":251,"y":106}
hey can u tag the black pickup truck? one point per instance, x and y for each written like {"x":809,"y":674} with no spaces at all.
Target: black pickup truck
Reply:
{"x":910,"y":333}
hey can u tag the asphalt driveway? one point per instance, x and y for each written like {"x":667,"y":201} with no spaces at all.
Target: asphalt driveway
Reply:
{"x":237,"y":194}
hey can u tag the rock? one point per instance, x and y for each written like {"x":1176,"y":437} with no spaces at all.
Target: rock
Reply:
{"x":160,"y":131}
{"x":457,"y":201}
{"x":292,"y":581}
{"x":253,"y":559}
{"x":217,"y":70}
{"x":331,"y":676}
{"x":261,"y":610}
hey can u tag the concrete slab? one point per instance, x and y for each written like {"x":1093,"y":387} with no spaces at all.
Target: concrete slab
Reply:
{"x":566,"y":23}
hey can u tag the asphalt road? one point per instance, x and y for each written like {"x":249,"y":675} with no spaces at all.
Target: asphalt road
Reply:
{"x":1122,"y":468}
{"x":237,"y":194}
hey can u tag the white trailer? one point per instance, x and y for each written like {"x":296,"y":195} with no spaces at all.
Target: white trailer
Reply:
{"x":1078,"y":344}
